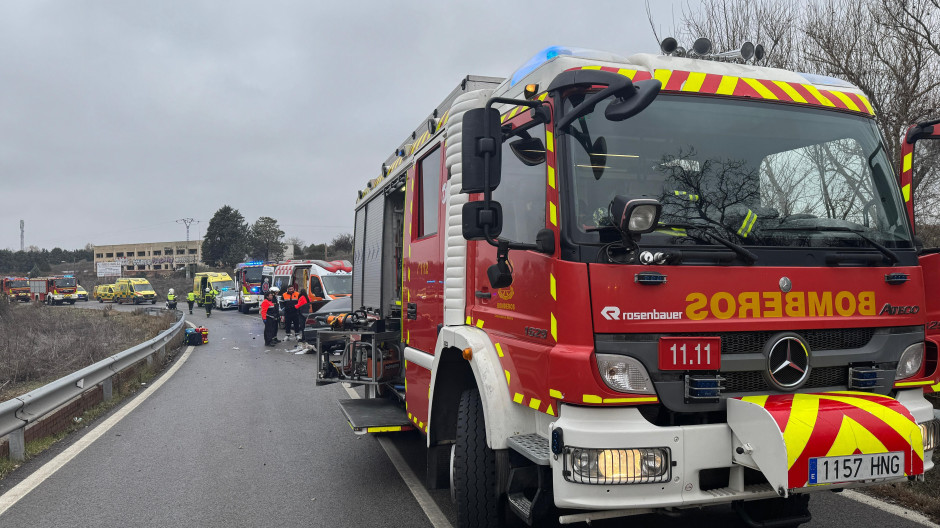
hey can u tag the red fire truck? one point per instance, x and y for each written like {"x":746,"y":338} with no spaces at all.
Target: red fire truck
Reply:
{"x":607,"y":286}
{"x":54,"y":290}
{"x":16,"y":288}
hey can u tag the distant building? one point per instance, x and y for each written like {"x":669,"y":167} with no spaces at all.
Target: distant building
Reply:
{"x":151,"y":256}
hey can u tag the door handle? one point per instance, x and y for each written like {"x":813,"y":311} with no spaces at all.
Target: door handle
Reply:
{"x":484,"y":295}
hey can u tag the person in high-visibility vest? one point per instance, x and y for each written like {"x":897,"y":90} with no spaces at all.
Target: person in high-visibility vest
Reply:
{"x":289,"y":299}
{"x":209,"y":300}
{"x":171,"y":299}
{"x":191,"y":300}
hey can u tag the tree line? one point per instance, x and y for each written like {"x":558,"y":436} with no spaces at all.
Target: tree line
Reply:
{"x":230,"y":239}
{"x":35,"y":261}
{"x":890,"y":49}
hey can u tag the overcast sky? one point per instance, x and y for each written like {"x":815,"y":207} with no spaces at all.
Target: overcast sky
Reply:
{"x":117,"y":118}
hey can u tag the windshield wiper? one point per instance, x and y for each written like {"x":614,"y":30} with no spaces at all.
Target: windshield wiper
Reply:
{"x":741,"y":251}
{"x":891,"y":255}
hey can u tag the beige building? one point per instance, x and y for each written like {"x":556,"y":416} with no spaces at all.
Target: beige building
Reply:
{"x":153,"y":256}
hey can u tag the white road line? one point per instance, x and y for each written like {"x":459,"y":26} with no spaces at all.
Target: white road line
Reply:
{"x":893,"y":509}
{"x":434,"y":514}
{"x":11,"y":497}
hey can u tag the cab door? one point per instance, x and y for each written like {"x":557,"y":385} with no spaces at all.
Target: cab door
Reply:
{"x":918,"y":138}
{"x":423,"y":263}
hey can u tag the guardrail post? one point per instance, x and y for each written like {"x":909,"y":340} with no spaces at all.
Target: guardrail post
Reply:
{"x":18,"y":444}
{"x":106,"y":389}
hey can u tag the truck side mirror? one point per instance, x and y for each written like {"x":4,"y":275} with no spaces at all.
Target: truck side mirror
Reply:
{"x":481,"y":147}
{"x":477,"y":217}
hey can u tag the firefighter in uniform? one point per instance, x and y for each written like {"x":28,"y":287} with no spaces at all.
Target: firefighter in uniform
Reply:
{"x":209,"y":300}
{"x":191,"y":300}
{"x":290,"y":312}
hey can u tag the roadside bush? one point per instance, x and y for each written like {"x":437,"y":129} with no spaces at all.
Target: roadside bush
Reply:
{"x":39,"y":344}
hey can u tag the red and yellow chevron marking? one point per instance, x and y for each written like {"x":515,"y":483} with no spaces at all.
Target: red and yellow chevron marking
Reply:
{"x":839,"y":424}
{"x":729,"y":85}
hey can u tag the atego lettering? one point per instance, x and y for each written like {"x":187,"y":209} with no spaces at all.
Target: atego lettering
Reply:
{"x":753,"y":305}
{"x":887,"y":309}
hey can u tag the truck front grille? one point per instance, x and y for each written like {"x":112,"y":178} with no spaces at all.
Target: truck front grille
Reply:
{"x":753,"y":381}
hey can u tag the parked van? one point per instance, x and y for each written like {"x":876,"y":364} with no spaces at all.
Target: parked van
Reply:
{"x":134,"y":290}
{"x":222,"y":283}
{"x":103,"y":292}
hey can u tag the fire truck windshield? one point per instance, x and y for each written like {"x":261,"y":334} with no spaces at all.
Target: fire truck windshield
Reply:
{"x":337,"y":284}
{"x":253,"y":275}
{"x":19,"y":284}
{"x":756,"y":173}
{"x":65,"y":283}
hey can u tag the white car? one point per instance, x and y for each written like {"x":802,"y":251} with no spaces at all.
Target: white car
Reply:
{"x":226,"y":299}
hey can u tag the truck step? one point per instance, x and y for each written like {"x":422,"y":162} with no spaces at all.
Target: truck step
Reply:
{"x":375,"y":415}
{"x":531,"y":446}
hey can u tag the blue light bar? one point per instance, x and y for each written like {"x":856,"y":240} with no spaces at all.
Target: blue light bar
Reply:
{"x":552,"y":52}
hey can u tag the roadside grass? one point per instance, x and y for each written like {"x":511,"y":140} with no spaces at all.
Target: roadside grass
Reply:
{"x":39,"y":344}
{"x":120,"y":392}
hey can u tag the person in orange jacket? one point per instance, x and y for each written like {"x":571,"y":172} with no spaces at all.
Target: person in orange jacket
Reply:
{"x":303,"y":308}
{"x":270,"y":316}
{"x":289,"y":299}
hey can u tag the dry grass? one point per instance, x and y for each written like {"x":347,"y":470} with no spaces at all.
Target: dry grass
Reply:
{"x":39,"y":344}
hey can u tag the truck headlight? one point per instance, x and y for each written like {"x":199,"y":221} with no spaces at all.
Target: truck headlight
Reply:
{"x":930,"y":431}
{"x":624,"y":374}
{"x":617,"y":466}
{"x":910,"y":362}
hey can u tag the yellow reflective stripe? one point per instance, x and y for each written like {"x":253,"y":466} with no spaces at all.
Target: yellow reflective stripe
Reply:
{"x":479,"y":323}
{"x":759,"y":88}
{"x":906,"y":190}
{"x":851,"y":436}
{"x":803,"y":413}
{"x":549,"y":141}
{"x":517,"y":398}
{"x":543,"y":96}
{"x":908,"y":160}
{"x":591,"y":68}
{"x":694,"y":82}
{"x":507,"y":377}
{"x":913,"y":383}
{"x":554,"y":328}
{"x":756,"y":400}
{"x":790,"y":91}
{"x":663,"y":76}
{"x":551,"y":177}
{"x":469,"y":321}
{"x":866,"y":103}
{"x":555,"y":394}
{"x":726,"y":87}
{"x":499,"y":350}
{"x":550,"y":410}
{"x":651,"y":399}
{"x":535,"y":404}
{"x":553,"y":213}
{"x":551,"y":278}
{"x":823,"y":100}
{"x":846,"y":100}
{"x":627,"y":73}
{"x":383,"y":429}
{"x":591,"y":398}
{"x":892,"y":418}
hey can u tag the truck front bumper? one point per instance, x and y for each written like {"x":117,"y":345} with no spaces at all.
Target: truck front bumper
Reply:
{"x":757,"y":454}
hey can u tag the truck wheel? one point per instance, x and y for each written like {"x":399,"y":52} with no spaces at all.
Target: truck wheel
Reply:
{"x":153,"y":301}
{"x":474,"y":467}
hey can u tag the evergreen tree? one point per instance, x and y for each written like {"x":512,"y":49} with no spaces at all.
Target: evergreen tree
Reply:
{"x":266,"y":239}
{"x":226,"y":238}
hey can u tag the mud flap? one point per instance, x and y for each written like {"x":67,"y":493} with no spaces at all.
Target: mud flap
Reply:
{"x":782,"y":436}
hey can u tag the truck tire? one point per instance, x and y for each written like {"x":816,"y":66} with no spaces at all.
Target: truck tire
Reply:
{"x":474,"y":467}
{"x":153,"y":301}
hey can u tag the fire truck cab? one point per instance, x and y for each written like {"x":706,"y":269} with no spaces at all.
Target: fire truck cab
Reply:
{"x":16,"y":288}
{"x":53,"y":290}
{"x":631,"y":284}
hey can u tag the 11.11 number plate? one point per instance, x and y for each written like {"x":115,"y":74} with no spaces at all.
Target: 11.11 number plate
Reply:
{"x":689,"y":353}
{"x":824,"y":470}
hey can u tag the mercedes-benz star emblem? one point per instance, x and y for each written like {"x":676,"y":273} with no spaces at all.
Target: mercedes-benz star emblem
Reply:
{"x":785,"y":284}
{"x":787,"y":362}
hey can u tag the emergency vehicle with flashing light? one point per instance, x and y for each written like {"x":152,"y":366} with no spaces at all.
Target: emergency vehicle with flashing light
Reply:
{"x":324,"y":281}
{"x":221,"y":282}
{"x":16,"y":288}
{"x":135,"y":290}
{"x":616,"y":285}
{"x":249,"y":281}
{"x":53,"y":290}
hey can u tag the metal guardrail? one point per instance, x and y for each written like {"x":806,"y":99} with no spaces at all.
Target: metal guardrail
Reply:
{"x":19,"y":412}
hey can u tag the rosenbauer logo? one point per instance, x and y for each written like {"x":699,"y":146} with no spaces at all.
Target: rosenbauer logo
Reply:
{"x":612,"y":313}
